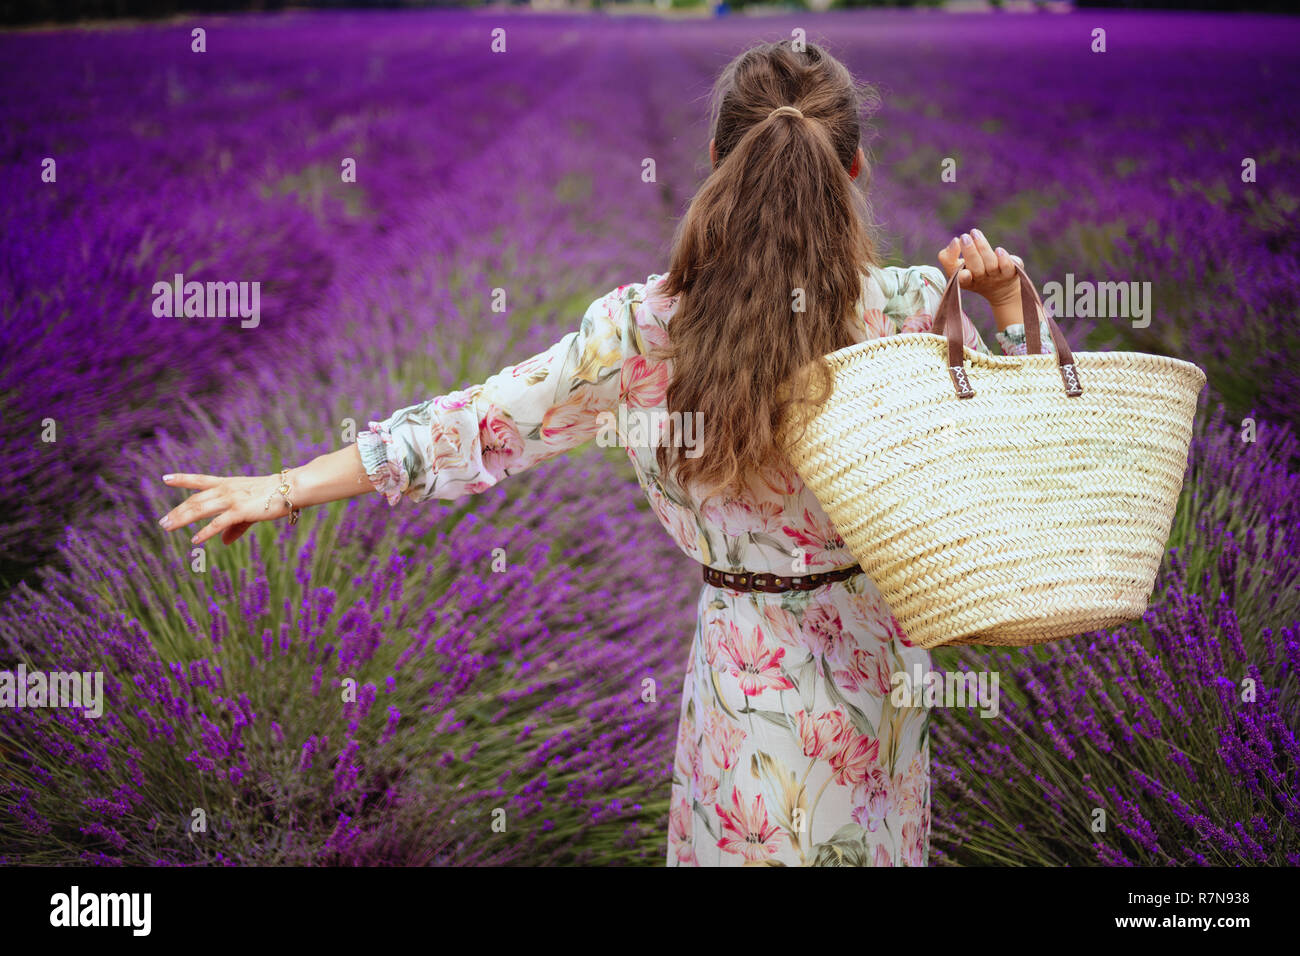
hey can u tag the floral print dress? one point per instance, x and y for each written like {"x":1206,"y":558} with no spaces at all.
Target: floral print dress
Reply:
{"x":789,"y":750}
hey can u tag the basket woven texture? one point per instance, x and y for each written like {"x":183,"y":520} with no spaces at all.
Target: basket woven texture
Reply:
{"x":1017,"y":514}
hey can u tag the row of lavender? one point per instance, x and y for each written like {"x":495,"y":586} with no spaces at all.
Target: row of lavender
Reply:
{"x":227,"y":166}
{"x":522,"y":691}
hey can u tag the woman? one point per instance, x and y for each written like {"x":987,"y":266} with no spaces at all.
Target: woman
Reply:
{"x":789,"y":751}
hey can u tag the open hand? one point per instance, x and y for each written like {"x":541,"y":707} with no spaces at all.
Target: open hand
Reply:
{"x":234,"y":504}
{"x":984,"y":270}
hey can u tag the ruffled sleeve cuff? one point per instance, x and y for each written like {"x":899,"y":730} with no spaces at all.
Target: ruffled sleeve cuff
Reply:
{"x":381,"y":458}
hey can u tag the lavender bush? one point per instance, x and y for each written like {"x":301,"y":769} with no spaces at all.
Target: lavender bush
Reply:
{"x":522,"y":690}
{"x":474,"y":691}
{"x":1181,"y":727}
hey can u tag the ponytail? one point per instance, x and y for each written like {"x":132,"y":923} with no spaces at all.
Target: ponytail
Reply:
{"x":768,"y":261}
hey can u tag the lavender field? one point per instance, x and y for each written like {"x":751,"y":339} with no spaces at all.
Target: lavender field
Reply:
{"x":1171,"y":159}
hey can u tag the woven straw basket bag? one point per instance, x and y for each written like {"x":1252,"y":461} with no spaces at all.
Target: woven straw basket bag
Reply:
{"x":1001,"y":500}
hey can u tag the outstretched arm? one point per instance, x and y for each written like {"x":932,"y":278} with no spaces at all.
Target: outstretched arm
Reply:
{"x":456,"y":444}
{"x":466,"y":441}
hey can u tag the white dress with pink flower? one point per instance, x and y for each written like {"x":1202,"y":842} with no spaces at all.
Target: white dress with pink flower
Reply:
{"x":789,"y":749}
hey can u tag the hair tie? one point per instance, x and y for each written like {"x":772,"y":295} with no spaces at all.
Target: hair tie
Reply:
{"x":785,"y":109}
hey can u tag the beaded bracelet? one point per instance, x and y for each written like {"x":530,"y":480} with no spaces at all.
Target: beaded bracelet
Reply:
{"x":283,"y":491}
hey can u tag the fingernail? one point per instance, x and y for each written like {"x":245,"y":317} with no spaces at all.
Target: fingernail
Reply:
{"x":976,"y":232}
{"x":965,"y":239}
{"x":163,"y":521}
{"x":168,"y":477}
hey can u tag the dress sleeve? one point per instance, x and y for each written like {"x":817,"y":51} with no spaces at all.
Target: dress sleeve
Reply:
{"x":917,"y":298}
{"x":1012,"y":338}
{"x":466,"y":441}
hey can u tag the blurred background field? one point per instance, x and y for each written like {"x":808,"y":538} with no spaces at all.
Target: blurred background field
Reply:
{"x":522,"y":170}
{"x":39,"y":11}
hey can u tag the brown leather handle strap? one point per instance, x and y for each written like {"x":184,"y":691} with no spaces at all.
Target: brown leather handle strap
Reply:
{"x":947,"y":321}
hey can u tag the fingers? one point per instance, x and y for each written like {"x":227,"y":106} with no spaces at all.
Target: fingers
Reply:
{"x":1006,"y":263}
{"x":971,"y":257}
{"x":198,"y":482}
{"x":948,"y":257}
{"x":974,"y":258}
{"x":228,"y":501}
{"x":220,"y":523}
{"x":194,"y":508}
{"x":978,"y":264}
{"x":988,"y":258}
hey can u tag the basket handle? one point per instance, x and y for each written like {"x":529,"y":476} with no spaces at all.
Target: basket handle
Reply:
{"x":947,"y":321}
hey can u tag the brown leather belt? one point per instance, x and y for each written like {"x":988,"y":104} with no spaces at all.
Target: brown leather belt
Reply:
{"x":772,"y":583}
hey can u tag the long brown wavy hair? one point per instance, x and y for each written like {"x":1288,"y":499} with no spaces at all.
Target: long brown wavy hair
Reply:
{"x":779,"y":219}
